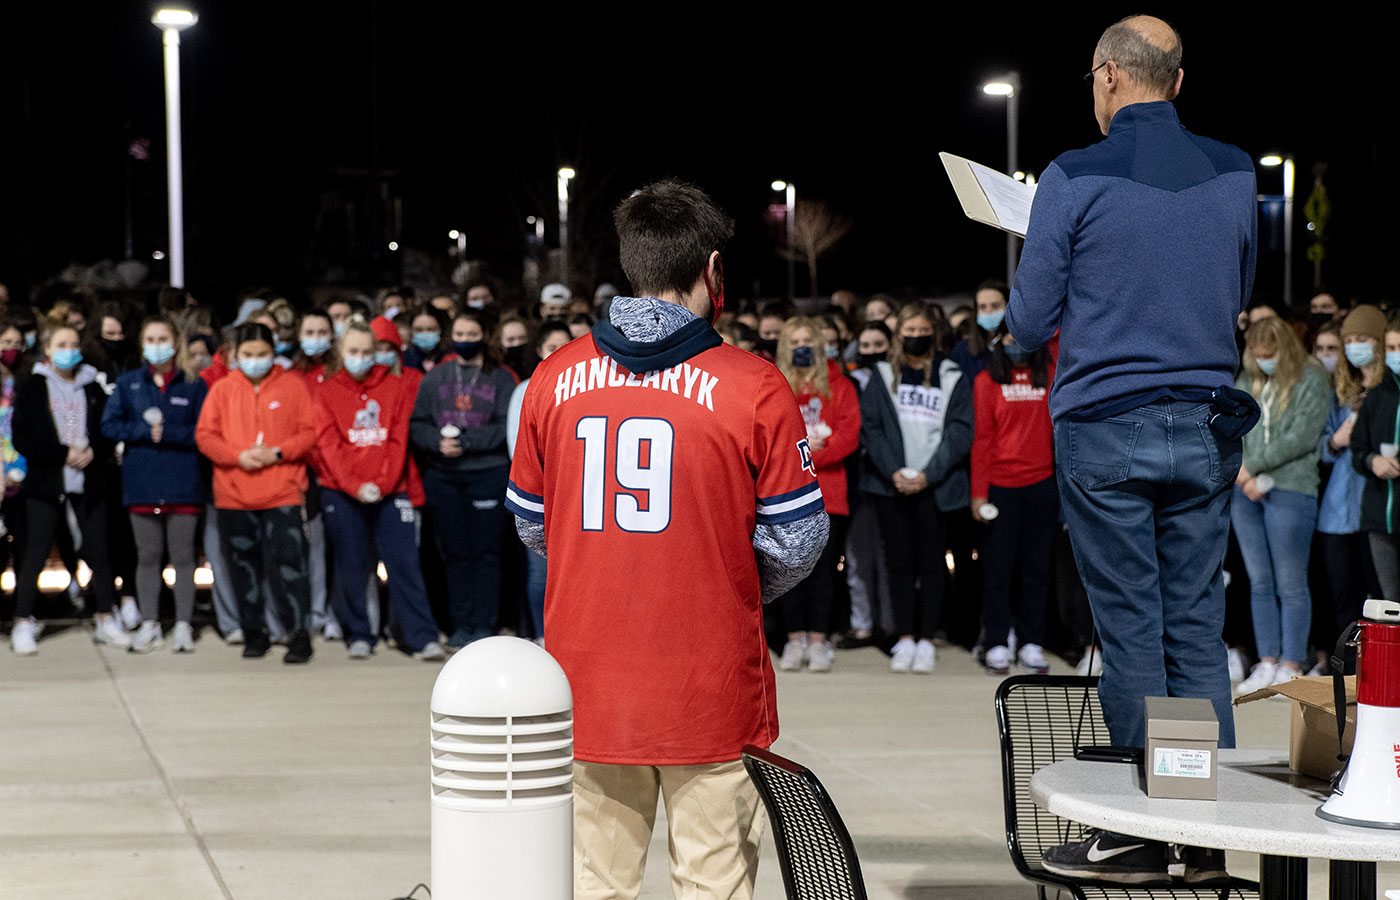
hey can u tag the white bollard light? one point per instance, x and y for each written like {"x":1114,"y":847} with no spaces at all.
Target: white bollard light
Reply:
{"x":502,"y":774}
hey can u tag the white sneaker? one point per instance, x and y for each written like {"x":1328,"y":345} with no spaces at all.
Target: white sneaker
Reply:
{"x":820,"y":656}
{"x":131,"y":613}
{"x":539,"y":642}
{"x":332,"y":631}
{"x":23,"y":637}
{"x":431,"y":652}
{"x":359,"y":650}
{"x":1318,"y":669}
{"x":1284,"y":673}
{"x":923,"y":658}
{"x":902,"y":657}
{"x":234,"y":638}
{"x":110,"y":632}
{"x":794,"y":655}
{"x":1234,"y":660}
{"x":998,"y":661}
{"x":147,"y":638}
{"x":1091,"y":665}
{"x":183,"y":638}
{"x":1261,"y":676}
{"x":1011,"y":640}
{"x":1032,"y":658}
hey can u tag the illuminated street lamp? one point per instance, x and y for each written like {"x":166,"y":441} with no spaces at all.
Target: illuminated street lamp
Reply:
{"x":171,"y":22}
{"x":566,"y":174}
{"x":1008,"y":87}
{"x":1274,"y":160}
{"x":789,"y":191}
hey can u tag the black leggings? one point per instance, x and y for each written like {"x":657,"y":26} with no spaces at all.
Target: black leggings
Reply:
{"x":807,"y":607}
{"x":915,"y":533}
{"x":45,"y":517}
{"x":1019,"y":549}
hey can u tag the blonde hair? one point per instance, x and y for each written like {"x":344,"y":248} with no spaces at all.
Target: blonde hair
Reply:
{"x":799,"y":378}
{"x":897,"y":358}
{"x":355,"y":324}
{"x":1275,"y":334}
{"x":1352,"y":381}
{"x":182,"y":353}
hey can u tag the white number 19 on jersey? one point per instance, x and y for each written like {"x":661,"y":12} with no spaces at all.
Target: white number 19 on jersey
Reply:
{"x":642,"y":466}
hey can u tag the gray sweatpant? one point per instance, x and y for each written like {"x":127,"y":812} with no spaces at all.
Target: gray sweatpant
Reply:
{"x":154,"y":536}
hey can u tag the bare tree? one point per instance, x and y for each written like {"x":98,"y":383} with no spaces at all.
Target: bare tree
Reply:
{"x":816,"y":228}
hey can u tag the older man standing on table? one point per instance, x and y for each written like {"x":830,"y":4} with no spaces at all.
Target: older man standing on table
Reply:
{"x":1140,"y":250}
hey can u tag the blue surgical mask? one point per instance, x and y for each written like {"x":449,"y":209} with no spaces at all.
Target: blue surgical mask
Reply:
{"x":1329,"y":362}
{"x":358,"y":365}
{"x":255,"y":367}
{"x":30,"y":339}
{"x":338,"y":328}
{"x":1359,"y":354}
{"x":315,"y":346}
{"x":285,"y":348}
{"x":385,"y":358}
{"x":1015,"y":352}
{"x":67,"y":359}
{"x":427,"y":340}
{"x":991,"y":321}
{"x":1392,"y":361}
{"x":802,"y":357}
{"x":158,"y":354}
{"x":832,"y":351}
{"x":1267,"y":366}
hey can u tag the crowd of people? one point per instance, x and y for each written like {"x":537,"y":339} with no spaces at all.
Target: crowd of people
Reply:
{"x":298,"y":450}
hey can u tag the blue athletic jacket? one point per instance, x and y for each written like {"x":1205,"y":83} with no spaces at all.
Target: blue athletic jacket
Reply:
{"x":1140,"y":250}
{"x":164,"y":473}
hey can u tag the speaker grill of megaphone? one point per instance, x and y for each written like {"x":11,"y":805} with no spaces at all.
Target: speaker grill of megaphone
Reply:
{"x":501,"y":738}
{"x":1368,"y":793}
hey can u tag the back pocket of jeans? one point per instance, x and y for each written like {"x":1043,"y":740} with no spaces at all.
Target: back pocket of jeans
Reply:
{"x":1100,"y":452}
{"x":1225,"y":454}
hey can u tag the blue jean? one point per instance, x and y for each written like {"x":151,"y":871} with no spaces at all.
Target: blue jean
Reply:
{"x":357,"y":531}
{"x":1275,"y":538}
{"x":1146,"y":497}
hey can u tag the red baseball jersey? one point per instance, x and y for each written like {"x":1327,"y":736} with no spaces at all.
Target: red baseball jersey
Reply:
{"x":649,"y":487}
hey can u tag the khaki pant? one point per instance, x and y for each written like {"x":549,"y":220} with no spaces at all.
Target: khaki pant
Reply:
{"x":714,"y":816}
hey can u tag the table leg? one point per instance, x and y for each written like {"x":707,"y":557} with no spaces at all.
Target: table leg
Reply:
{"x":1283,"y":878}
{"x":1351,"y":880}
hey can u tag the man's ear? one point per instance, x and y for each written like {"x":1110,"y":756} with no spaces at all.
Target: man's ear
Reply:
{"x":1177,"y":88}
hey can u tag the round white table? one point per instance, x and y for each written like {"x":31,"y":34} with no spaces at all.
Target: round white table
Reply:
{"x":1261,"y":807}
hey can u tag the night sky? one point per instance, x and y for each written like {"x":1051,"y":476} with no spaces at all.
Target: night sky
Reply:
{"x":476,"y":110}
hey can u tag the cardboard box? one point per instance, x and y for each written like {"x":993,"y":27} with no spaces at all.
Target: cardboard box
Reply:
{"x":1312,"y":724}
{"x":1183,"y":737}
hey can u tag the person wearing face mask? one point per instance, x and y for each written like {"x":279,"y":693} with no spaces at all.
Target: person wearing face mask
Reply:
{"x":916,"y":428}
{"x":550,"y":336}
{"x":314,"y":347}
{"x":770,"y":326}
{"x":427,"y":346}
{"x":257,"y":428}
{"x":153,"y":411}
{"x":12,"y":465}
{"x":361,"y":459}
{"x":1374,"y":442}
{"x":974,"y":351}
{"x":831,"y":411}
{"x":554,"y":301}
{"x":1275,"y":504}
{"x":57,"y":426}
{"x":1014,"y":492}
{"x":458,"y":430}
{"x":1342,"y":548}
{"x":513,"y":332}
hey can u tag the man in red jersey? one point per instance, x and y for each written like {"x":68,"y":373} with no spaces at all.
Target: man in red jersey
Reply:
{"x":669,"y":477}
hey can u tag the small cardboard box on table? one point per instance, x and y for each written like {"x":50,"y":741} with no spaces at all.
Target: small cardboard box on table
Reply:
{"x":1312,"y":722}
{"x":1183,"y":736}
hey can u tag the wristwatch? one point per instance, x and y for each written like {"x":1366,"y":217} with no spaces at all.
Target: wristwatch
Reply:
{"x":278,"y":451}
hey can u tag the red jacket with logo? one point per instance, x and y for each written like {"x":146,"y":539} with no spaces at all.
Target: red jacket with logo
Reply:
{"x":234,"y":414}
{"x":362,"y":432}
{"x":1013,"y":443}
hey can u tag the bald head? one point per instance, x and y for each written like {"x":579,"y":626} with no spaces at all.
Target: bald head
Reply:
{"x":1148,"y":51}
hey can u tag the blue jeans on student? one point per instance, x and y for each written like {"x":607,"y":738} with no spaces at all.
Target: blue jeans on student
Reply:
{"x":360,"y":533}
{"x":1275,"y":537}
{"x":1146,"y":496}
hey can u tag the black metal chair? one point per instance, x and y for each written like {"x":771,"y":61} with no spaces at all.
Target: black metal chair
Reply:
{"x":1043,"y":719}
{"x":815,"y":852}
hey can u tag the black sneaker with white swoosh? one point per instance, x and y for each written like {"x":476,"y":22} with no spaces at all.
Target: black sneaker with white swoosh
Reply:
{"x":1105,"y":856}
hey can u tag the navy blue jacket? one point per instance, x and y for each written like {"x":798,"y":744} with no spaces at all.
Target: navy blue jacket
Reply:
{"x":1140,"y":250}
{"x":168,"y":472}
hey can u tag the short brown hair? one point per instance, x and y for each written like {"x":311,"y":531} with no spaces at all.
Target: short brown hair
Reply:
{"x":666,"y":232}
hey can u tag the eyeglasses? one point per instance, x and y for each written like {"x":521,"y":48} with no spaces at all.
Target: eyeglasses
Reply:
{"x":1089,"y":76}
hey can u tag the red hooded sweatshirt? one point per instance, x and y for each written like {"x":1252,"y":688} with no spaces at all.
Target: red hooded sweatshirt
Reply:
{"x":841,"y":414}
{"x":362,"y":432}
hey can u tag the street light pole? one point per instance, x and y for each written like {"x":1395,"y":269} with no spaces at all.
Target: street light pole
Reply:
{"x":790,"y":224}
{"x":566,"y":174}
{"x":1009,"y":87}
{"x":1289,"y":174}
{"x":171,"y":22}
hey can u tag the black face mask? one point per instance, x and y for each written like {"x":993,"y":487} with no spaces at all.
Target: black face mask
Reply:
{"x":515,"y":357}
{"x":868,"y":360}
{"x":802,"y":357}
{"x":467,"y":349}
{"x":1320,"y":319}
{"x":769,"y":346}
{"x":115,"y":349}
{"x":918,"y":346}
